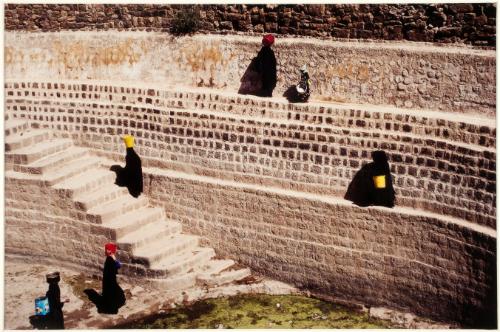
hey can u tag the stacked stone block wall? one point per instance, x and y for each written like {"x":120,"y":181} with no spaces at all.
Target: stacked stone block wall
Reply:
{"x":262,"y":180}
{"x":449,"y":79}
{"x":414,"y":261}
{"x":381,"y":257}
{"x":44,"y":224}
{"x":50,"y":229}
{"x":472,"y":23}
{"x":439,"y":164}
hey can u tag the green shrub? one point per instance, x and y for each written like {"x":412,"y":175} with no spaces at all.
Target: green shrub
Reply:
{"x":186,"y":21}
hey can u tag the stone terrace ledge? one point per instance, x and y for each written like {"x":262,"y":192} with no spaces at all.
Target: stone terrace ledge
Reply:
{"x":407,"y":75}
{"x":476,"y":119}
{"x":447,"y":155}
{"x":358,"y":254}
{"x":399,"y":210}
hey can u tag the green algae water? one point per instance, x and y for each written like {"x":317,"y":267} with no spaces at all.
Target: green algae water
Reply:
{"x":260,"y":311}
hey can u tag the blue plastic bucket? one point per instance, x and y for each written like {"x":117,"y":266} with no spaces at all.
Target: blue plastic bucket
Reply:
{"x":42,"y":306}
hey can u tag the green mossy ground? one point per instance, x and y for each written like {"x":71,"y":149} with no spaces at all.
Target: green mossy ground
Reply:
{"x":260,"y":311}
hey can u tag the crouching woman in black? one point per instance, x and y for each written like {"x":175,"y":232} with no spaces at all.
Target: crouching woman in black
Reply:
{"x":372,"y":185}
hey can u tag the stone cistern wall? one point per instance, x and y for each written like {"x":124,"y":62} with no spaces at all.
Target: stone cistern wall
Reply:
{"x":262,"y":180}
{"x":442,"y":23}
{"x":411,"y":75}
{"x":221,"y":176}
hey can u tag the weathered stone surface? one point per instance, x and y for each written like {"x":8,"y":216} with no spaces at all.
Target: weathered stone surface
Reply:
{"x":344,"y":21}
{"x":347,"y":247}
{"x":85,"y":205}
{"x":408,"y":259}
{"x":451,"y":79}
{"x":232,"y":150}
{"x":440,"y":164}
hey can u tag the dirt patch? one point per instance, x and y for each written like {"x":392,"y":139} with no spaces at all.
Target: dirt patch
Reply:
{"x":148,"y":307}
{"x":79,"y":283}
{"x":25,"y":282}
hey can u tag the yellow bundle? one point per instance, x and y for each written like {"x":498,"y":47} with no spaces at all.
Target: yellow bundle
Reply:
{"x":129,"y":141}
{"x":379,"y":181}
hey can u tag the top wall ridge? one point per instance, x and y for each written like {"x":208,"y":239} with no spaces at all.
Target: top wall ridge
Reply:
{"x":471,"y":24}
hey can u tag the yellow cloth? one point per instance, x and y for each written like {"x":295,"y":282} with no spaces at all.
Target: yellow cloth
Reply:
{"x":379,"y":181}
{"x":129,"y":141}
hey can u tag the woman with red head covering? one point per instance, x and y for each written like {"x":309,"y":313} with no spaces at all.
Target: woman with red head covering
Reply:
{"x":113,"y":296}
{"x":267,"y":66}
{"x":268,"y":40}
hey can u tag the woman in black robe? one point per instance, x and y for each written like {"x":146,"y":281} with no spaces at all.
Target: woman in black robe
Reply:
{"x":382,"y":196}
{"x":267,"y":66}
{"x":131,"y":175}
{"x":362,"y":190}
{"x":55,"y":318}
{"x":113,"y":296}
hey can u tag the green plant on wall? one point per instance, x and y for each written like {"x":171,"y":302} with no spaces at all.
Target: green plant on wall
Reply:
{"x":186,"y":21}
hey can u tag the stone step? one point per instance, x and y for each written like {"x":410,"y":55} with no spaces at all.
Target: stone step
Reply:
{"x":110,"y":210}
{"x":148,"y":233}
{"x":13,"y":126}
{"x":37,"y":151}
{"x":26,"y":138}
{"x":13,"y":178}
{"x":223,"y":277}
{"x":157,"y":250}
{"x":71,"y":169}
{"x":99,"y":196}
{"x":307,"y":116}
{"x":176,"y":283}
{"x":53,"y":162}
{"x":240,"y":109}
{"x":183,"y":262}
{"x":128,"y":222}
{"x":215,"y":266}
{"x":86,"y":181}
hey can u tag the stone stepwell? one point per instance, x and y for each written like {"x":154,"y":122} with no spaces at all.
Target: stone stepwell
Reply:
{"x":150,"y":245}
{"x":260,"y":181}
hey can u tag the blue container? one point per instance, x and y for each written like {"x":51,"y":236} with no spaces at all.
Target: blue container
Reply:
{"x":42,"y":306}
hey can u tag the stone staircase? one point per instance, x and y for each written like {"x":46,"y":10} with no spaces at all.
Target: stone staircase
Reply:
{"x":150,"y":246}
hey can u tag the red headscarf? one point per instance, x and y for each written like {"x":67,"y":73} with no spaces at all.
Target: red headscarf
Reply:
{"x":111,"y":247}
{"x":268,"y":40}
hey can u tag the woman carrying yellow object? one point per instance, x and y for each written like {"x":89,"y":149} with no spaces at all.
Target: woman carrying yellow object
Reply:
{"x":372,"y":184}
{"x":131,"y":175}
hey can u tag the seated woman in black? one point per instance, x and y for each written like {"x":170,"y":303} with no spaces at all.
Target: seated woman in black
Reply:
{"x":372,"y":185}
